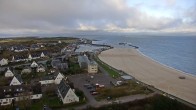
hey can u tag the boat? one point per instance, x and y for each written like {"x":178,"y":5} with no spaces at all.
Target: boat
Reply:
{"x":122,"y":43}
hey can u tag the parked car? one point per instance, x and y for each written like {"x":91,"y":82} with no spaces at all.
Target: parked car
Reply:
{"x":86,"y":85}
{"x":94,"y":93}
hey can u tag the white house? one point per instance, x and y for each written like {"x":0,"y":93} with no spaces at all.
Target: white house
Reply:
{"x":3,"y":61}
{"x":58,"y":78}
{"x":42,"y":55}
{"x":9,"y":73}
{"x":66,"y":94}
{"x":18,"y":93}
{"x":59,"y":42}
{"x":40,"y":68}
{"x":30,"y":57}
{"x":52,"y":79}
{"x":47,"y":80}
{"x":34,"y":65}
{"x":16,"y":80}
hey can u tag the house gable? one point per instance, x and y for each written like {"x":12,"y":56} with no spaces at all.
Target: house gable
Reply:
{"x":3,"y":61}
{"x":42,"y":55}
{"x":34,"y":64}
{"x":15,"y":81}
{"x":70,"y":97}
{"x":9,"y":73}
{"x":58,"y":78}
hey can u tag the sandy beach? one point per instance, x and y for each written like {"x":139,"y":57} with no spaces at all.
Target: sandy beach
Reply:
{"x":151,"y":72}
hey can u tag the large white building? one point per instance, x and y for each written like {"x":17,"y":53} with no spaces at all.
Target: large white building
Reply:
{"x":66,"y":94}
{"x":92,"y":67}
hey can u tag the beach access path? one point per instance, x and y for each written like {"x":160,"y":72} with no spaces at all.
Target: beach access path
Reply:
{"x":151,"y":72}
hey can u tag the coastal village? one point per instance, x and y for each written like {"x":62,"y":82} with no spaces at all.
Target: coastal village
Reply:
{"x":51,"y":74}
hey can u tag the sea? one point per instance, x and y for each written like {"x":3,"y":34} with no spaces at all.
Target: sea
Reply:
{"x":178,"y":52}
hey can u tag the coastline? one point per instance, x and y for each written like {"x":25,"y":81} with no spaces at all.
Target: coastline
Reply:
{"x":152,"y":72}
{"x":186,"y":73}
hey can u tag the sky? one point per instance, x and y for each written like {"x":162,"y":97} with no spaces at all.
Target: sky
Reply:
{"x":32,"y":17}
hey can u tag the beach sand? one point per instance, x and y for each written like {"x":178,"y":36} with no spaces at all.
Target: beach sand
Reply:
{"x":151,"y":72}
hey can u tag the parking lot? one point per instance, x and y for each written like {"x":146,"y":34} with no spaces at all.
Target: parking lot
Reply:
{"x":82,"y":82}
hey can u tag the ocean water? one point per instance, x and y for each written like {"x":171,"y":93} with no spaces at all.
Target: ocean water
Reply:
{"x":174,"y":51}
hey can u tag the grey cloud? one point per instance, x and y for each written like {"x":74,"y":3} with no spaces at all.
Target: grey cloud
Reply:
{"x":52,"y":16}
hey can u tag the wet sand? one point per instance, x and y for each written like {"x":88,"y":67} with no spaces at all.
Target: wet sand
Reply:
{"x":151,"y":72}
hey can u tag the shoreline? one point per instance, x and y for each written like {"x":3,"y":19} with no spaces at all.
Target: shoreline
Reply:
{"x":152,"y":72}
{"x":186,"y":73}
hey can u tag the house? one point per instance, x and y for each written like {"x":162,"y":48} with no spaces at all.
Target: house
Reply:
{"x":34,"y":47}
{"x":92,"y":67}
{"x":52,"y":79}
{"x":35,"y":55}
{"x":59,"y":42}
{"x":26,"y":69}
{"x":57,"y":64}
{"x":42,"y":55}
{"x":19,"y":58}
{"x":58,"y":78}
{"x":16,"y":80}
{"x":30,"y":57}
{"x":66,"y":94}
{"x":49,"y":79}
{"x":34,"y":65}
{"x":9,"y":73}
{"x":20,"y":48}
{"x":40,"y":68}
{"x":18,"y":93}
{"x":83,"y":61}
{"x":3,"y":61}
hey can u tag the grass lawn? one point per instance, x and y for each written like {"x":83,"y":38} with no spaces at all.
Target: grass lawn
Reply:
{"x":49,"y":101}
{"x":131,"y":88}
{"x":110,"y":71}
{"x":54,"y":102}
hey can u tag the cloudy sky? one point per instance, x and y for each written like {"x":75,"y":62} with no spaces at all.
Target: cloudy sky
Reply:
{"x":125,"y":16}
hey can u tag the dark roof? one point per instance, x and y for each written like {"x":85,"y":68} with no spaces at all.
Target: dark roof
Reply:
{"x":20,"y":47}
{"x":63,"y":88}
{"x":19,"y":78}
{"x":34,"y":46}
{"x":19,"y":57}
{"x":19,"y":90}
{"x":83,"y":59}
{"x":41,"y":66}
{"x":35,"y":55}
{"x":49,"y":77}
{"x":55,"y":62}
{"x":27,"y":67}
